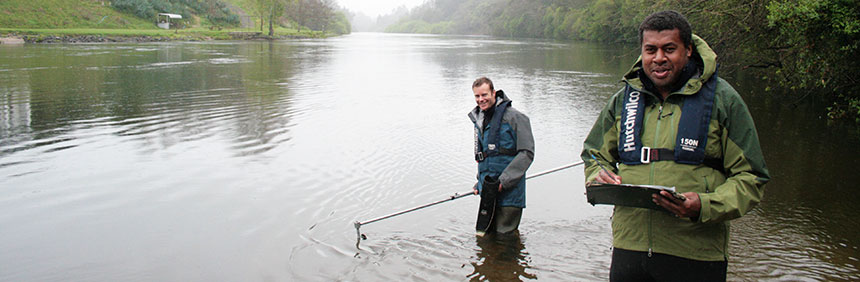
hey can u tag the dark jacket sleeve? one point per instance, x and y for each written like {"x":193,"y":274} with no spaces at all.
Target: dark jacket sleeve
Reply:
{"x":525,"y":150}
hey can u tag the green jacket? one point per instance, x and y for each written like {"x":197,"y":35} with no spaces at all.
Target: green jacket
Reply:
{"x":725,"y":196}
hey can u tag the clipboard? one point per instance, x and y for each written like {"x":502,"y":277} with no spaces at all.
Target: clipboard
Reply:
{"x":628,"y":195}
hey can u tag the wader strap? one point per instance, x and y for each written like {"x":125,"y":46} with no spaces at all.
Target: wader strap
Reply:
{"x":662,"y":154}
{"x":480,"y":156}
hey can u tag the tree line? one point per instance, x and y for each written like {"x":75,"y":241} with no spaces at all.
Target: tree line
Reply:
{"x":317,"y":15}
{"x":804,"y":46}
{"x":215,"y":11}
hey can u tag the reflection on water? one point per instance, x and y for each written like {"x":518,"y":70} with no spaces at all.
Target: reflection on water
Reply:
{"x":158,"y":96}
{"x":250,"y":161}
{"x":501,"y":257}
{"x":806,"y":226}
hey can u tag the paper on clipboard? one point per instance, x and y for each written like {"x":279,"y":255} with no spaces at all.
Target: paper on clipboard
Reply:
{"x":628,"y":195}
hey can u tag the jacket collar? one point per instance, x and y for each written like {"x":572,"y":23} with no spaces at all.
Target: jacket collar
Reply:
{"x":476,"y":112}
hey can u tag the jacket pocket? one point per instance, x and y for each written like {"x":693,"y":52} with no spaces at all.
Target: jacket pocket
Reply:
{"x":507,"y":137}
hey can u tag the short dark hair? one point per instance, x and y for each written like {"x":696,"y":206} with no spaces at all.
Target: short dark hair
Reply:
{"x":668,"y":20}
{"x":481,"y":81}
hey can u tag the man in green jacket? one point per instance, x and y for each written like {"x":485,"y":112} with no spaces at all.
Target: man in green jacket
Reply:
{"x":676,"y":123}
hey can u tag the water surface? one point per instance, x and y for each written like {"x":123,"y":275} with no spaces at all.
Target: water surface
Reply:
{"x":238,"y":161}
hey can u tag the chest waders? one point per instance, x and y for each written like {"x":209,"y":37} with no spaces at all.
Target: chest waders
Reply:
{"x":490,"y":183}
{"x":692,"y":135}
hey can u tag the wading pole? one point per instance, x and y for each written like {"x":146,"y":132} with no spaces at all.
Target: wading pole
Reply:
{"x":358,"y":224}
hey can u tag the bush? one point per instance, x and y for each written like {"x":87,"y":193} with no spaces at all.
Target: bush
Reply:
{"x":818,"y":45}
{"x":214,"y":10}
{"x":139,"y":8}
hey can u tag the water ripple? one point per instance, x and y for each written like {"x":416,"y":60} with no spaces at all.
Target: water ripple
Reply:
{"x":248,"y":160}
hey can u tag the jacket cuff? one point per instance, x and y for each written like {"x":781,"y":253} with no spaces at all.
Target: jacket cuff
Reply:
{"x":506,"y":183}
{"x":705,"y":211}
{"x":590,"y":177}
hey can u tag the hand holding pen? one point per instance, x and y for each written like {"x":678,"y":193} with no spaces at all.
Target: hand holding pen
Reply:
{"x":605,"y":176}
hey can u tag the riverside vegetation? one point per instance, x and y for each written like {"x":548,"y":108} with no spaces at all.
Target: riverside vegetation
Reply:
{"x":134,"y":20}
{"x":800,"y":47}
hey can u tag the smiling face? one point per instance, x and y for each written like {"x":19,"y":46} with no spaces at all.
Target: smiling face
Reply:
{"x":664,"y":55}
{"x":485,"y":97}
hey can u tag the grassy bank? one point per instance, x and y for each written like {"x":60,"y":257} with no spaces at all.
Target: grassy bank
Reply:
{"x":65,"y":14}
{"x":96,"y":18}
{"x":179,"y":34}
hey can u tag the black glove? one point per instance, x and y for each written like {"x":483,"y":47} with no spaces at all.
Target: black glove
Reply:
{"x":489,"y":191}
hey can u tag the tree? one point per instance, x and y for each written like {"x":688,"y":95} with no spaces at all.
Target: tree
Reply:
{"x":270,"y":10}
{"x":297,"y":12}
{"x":340,"y":23}
{"x":260,"y":7}
{"x":276,"y":10}
{"x":816,"y":46}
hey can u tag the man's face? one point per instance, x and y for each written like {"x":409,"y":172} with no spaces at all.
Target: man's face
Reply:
{"x":484,"y":97}
{"x":663,"y":57}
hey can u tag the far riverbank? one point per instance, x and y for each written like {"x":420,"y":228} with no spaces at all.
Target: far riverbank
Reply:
{"x":150,"y":35}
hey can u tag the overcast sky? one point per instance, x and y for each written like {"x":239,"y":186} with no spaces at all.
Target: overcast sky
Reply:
{"x":374,"y":8}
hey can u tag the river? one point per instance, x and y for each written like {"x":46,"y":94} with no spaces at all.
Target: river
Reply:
{"x":250,"y":161}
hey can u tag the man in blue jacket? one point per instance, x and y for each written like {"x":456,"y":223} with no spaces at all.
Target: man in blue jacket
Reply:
{"x":504,"y":150}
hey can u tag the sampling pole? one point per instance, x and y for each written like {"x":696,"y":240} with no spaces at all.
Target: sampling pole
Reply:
{"x":358,"y":224}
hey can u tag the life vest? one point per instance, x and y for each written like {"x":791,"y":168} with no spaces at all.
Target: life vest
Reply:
{"x":692,"y":135}
{"x":493,"y":147}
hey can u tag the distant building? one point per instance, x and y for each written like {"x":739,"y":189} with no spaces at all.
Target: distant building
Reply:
{"x":164,"y":19}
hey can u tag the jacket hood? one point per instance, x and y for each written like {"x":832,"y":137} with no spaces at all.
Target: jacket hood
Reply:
{"x":704,"y":57}
{"x":501,"y":97}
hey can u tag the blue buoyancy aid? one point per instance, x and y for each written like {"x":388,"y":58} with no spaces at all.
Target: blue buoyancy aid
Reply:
{"x":495,"y":148}
{"x":692,"y":135}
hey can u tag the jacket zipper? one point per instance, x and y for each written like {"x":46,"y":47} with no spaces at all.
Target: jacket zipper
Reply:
{"x":656,"y":141}
{"x":707,"y":185}
{"x":651,"y":213}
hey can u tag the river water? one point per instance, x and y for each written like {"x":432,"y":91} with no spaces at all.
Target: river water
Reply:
{"x":250,"y":161}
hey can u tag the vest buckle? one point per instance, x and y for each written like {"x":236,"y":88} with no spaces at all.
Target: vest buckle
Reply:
{"x":479,"y":157}
{"x":645,"y":156}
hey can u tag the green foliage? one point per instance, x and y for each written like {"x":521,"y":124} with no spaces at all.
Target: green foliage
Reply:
{"x":137,"y":14}
{"x":340,"y":24}
{"x":142,"y":9}
{"x":318,"y":15}
{"x":196,"y":34}
{"x":420,"y":26}
{"x":65,"y":14}
{"x":817,"y":45}
{"x":214,"y":10}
